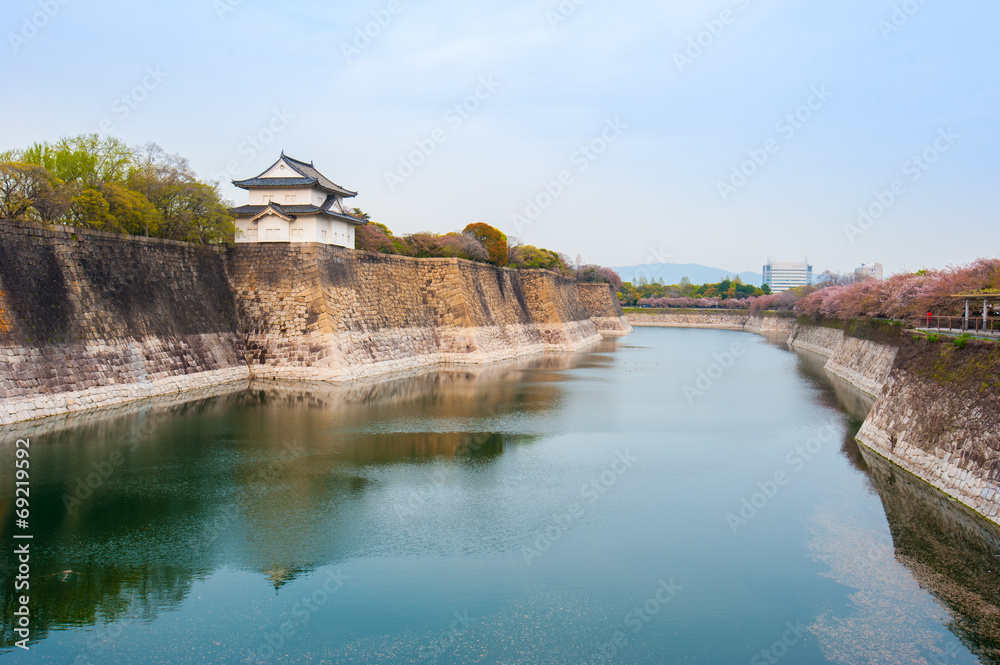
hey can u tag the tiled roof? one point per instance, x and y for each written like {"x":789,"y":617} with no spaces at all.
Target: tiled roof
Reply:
{"x":310,"y":171}
{"x":310,"y":178}
{"x":293,"y":210}
{"x":250,"y":183}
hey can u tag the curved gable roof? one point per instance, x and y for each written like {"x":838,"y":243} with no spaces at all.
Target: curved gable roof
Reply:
{"x":310,"y":177}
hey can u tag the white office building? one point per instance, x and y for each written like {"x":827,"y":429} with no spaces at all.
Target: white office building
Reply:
{"x":783,"y":276}
{"x":872,"y":270}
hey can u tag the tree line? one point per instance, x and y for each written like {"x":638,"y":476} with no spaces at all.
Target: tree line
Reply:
{"x":478,"y":242}
{"x":101,"y":182}
{"x":105,"y":184}
{"x":729,"y":293}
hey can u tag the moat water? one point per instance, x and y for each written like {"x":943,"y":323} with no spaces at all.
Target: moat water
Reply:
{"x":677,"y":496}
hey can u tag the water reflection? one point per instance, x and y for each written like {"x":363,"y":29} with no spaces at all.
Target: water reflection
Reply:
{"x":952,"y":552}
{"x":131,"y":505}
{"x":949,"y":550}
{"x":426,"y":487}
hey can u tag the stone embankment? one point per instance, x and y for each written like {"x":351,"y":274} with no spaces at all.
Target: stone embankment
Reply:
{"x":724,"y":319}
{"x":327,"y":313}
{"x":91,"y":319}
{"x":937,"y":404}
{"x":938,"y":417}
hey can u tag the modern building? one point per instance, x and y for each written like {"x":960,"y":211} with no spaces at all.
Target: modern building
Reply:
{"x":873,"y":270}
{"x":293,"y":202}
{"x":784,"y":276}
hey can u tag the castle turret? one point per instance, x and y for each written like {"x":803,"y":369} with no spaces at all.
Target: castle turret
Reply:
{"x":291,"y":201}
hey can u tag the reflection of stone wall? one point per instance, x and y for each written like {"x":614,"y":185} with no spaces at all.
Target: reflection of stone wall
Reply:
{"x":862,"y":362}
{"x":949,"y":550}
{"x":937,"y":408}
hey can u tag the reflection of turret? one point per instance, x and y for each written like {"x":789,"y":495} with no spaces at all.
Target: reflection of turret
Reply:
{"x":953,"y":553}
{"x":280,"y":575}
{"x":139,"y":500}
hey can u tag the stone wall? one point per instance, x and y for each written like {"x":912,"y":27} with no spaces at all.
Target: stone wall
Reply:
{"x":864,"y":363}
{"x":93,"y":319}
{"x":327,"y":313}
{"x":770,"y":322}
{"x":817,"y":339}
{"x":90,"y":319}
{"x":721,"y":319}
{"x":724,"y":319}
{"x":605,"y":311}
{"x":939,"y":418}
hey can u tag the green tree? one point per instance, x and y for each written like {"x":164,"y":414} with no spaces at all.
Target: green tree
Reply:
{"x":88,"y":158}
{"x":628,"y":295}
{"x":687,"y":288}
{"x":131,"y":211}
{"x":90,"y":208}
{"x":545,"y":259}
{"x":111,"y":186}
{"x":29,"y":192}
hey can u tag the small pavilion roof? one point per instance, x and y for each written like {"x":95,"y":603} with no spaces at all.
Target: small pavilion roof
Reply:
{"x":991,"y":294}
{"x":308,"y":176}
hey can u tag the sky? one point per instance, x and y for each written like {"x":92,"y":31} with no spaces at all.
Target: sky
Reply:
{"x":724,"y":132}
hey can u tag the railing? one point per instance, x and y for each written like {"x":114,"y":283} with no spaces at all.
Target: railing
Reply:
{"x":971,"y":324}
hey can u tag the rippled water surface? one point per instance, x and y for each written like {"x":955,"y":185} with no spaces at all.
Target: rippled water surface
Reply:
{"x":681,"y":496}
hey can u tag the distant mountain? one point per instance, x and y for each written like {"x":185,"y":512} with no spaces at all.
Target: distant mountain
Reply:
{"x":673,"y":272}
